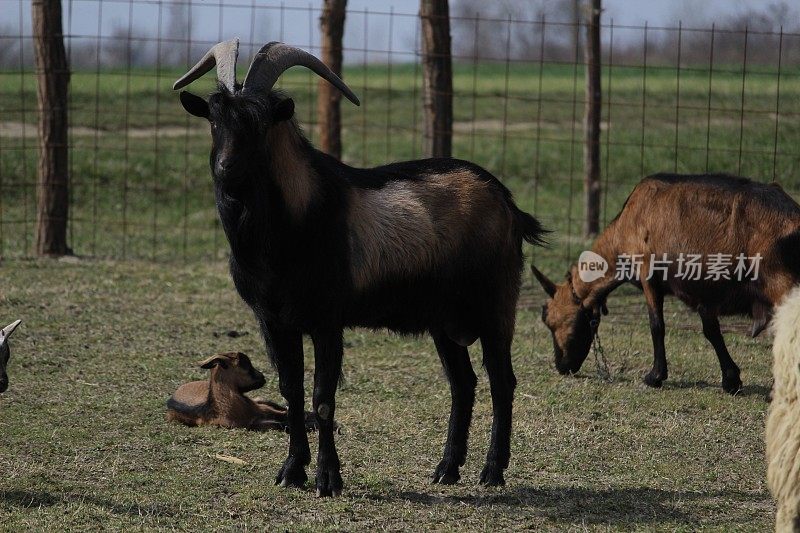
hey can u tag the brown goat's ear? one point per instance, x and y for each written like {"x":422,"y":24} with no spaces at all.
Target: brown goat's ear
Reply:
{"x":548,"y":286}
{"x":284,"y":110}
{"x":194,"y":105}
{"x":214,"y":360}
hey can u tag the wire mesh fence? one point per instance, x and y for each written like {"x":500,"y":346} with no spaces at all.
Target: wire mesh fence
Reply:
{"x":675,"y":99}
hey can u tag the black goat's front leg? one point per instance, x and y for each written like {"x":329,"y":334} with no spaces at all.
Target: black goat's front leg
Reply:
{"x":502,"y":382}
{"x":458,"y":369}
{"x":327,"y":369}
{"x":731,"y":381}
{"x":286,"y":352}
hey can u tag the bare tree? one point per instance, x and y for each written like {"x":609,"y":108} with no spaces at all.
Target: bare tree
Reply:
{"x":52,"y":73}
{"x":179,"y":28}
{"x":128,"y":47}
{"x":437,"y":78}
{"x":520,"y":18}
{"x":331,"y":24}
{"x":9,"y":48}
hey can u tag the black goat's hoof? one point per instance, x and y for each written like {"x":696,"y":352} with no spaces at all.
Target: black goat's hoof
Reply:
{"x":492,"y":476}
{"x":291,"y":474}
{"x":651,"y":380}
{"x":329,"y":482}
{"x":732,"y":385}
{"x":446,"y":473}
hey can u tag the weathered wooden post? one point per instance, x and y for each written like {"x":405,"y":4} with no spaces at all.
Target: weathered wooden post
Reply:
{"x":52,"y":73}
{"x":331,"y":24}
{"x":591,"y":122}
{"x":437,"y":78}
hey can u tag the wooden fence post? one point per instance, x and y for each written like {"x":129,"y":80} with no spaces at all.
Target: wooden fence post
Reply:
{"x":52,"y":73}
{"x":591,"y":122}
{"x":437,"y":78}
{"x":331,"y":24}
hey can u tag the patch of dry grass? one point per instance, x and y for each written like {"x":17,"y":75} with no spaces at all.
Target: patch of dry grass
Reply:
{"x":83,"y":442}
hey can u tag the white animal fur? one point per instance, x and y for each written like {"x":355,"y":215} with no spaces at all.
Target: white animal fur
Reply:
{"x":783,"y":422}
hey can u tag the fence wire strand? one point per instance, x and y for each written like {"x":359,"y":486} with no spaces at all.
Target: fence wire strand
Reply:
{"x":683,"y":99}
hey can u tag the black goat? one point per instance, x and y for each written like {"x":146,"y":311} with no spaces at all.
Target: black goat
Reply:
{"x":5,"y":352}
{"x":317,"y":246}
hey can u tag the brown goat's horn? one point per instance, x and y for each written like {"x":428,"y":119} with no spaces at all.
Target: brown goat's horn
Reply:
{"x":275,"y":58}
{"x":223,"y":55}
{"x":548,"y":286}
{"x":9,"y":329}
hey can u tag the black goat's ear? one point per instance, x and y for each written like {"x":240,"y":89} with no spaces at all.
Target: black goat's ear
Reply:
{"x":211,"y":362}
{"x":284,"y":110}
{"x":194,"y":105}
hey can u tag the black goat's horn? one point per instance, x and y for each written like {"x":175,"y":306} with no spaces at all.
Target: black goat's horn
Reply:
{"x":275,"y":58}
{"x":548,"y":286}
{"x":223,"y":55}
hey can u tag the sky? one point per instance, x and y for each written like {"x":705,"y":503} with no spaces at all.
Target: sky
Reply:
{"x":300,"y":19}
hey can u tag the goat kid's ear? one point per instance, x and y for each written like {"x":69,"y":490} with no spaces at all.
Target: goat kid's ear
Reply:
{"x":284,"y":110}
{"x":213,"y":361}
{"x":194,"y":105}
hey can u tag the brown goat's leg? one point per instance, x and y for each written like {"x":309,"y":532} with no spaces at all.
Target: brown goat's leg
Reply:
{"x":502,"y":382}
{"x":458,"y":369}
{"x":286,"y":350}
{"x":327,"y":369}
{"x":655,"y":310}
{"x":731,"y":382}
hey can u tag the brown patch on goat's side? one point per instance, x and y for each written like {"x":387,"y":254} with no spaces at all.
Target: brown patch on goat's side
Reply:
{"x":411,"y":226}
{"x":193,"y":394}
{"x":391,"y":232}
{"x":290,"y":167}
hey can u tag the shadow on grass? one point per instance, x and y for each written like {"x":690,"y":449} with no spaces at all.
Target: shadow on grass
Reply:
{"x":747,"y":390}
{"x":33,"y":499}
{"x":615,"y":506}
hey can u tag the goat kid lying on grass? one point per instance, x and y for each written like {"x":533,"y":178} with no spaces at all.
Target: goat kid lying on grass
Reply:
{"x":317,"y":246}
{"x":665,"y":216}
{"x":5,"y":352}
{"x":221,"y":401}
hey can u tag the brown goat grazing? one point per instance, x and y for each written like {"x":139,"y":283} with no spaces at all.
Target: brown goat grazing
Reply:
{"x":667,"y":218}
{"x":221,"y":401}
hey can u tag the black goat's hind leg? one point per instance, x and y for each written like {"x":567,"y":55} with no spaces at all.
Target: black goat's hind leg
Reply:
{"x":286,"y":351}
{"x":457,"y":367}
{"x":327,"y":369}
{"x":497,"y":360}
{"x":731,"y":381}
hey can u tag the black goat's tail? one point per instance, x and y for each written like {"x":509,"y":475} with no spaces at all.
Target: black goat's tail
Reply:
{"x":530,"y":228}
{"x":789,"y":252}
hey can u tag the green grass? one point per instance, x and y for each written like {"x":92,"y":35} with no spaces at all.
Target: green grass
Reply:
{"x":148,"y":196}
{"x":83,"y":442}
